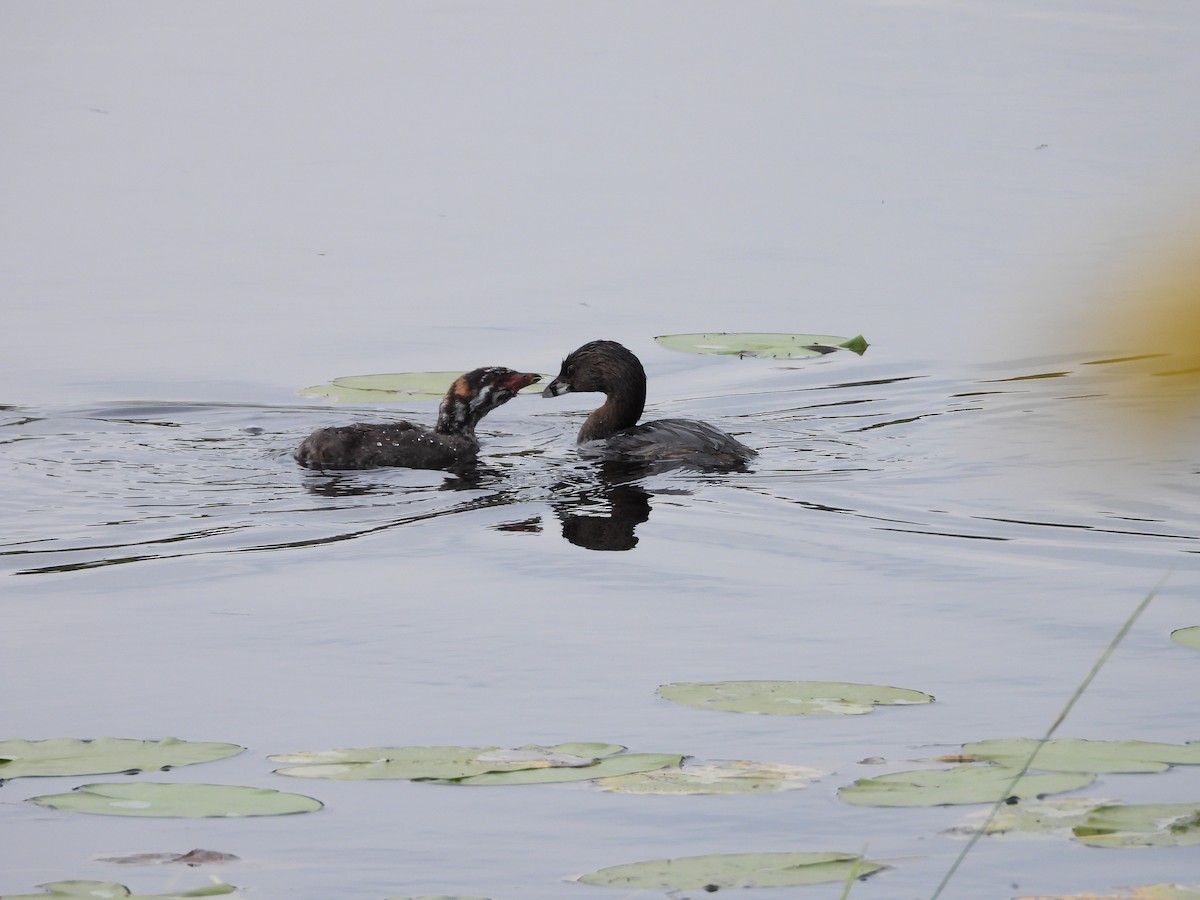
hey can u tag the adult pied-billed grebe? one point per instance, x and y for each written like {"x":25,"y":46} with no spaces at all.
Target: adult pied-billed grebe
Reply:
{"x":449,"y":443}
{"x":612,"y":432}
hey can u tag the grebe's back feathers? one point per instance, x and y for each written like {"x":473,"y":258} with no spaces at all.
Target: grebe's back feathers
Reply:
{"x":682,"y":441}
{"x":369,"y":445}
{"x":449,"y":444}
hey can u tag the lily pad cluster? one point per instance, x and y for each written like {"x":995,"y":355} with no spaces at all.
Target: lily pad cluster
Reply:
{"x":608,"y":766}
{"x":1051,"y":816}
{"x":988,"y":771}
{"x":1141,"y":825}
{"x":73,"y":756}
{"x":1097,"y":823}
{"x":984,"y":772}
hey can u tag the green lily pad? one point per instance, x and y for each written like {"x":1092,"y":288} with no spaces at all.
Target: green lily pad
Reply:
{"x":789,"y":698}
{"x":101,"y":756}
{"x":579,"y":748}
{"x":385,"y":388}
{"x":1076,"y":755}
{"x":762,"y":345}
{"x":608,"y":767}
{"x":1144,"y":892}
{"x":191,"y":801}
{"x":370,"y":763}
{"x":735,"y":870}
{"x":105,"y":889}
{"x":1035,"y":818}
{"x":730,"y":776}
{"x":958,"y":785}
{"x":388,"y":388}
{"x":194,"y":857}
{"x":1141,"y":825}
{"x":1189,"y":637}
{"x":437,"y":763}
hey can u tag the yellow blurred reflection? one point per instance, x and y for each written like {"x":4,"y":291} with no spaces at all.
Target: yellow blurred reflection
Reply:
{"x":1150,"y":320}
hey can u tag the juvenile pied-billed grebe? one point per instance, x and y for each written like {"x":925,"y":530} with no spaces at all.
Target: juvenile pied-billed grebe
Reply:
{"x":612,"y":432}
{"x":449,"y":443}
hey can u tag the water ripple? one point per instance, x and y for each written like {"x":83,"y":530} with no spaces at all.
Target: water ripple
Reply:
{"x":980,"y":459}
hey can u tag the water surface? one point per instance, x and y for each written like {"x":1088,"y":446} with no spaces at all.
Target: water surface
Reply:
{"x":175,"y":572}
{"x":209,"y":206}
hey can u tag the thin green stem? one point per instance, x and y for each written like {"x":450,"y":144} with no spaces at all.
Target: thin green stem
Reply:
{"x":1099,"y":664}
{"x":850,"y":878}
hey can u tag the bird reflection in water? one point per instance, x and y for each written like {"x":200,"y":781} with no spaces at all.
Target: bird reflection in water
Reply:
{"x":358,"y":483}
{"x":614,"y":508}
{"x":599,"y":506}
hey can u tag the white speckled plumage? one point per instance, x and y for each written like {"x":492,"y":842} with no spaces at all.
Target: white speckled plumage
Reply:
{"x":450,"y":443}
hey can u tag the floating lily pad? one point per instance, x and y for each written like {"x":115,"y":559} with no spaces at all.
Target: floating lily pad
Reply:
{"x":730,"y":776}
{"x":450,"y":763}
{"x":608,"y":767}
{"x":385,"y":388}
{"x":1075,"y":755}
{"x":196,"y":857}
{"x":763,"y":345}
{"x":1141,"y":825}
{"x":369,"y":763}
{"x":191,"y":801}
{"x":579,"y":748}
{"x":104,"y":889}
{"x":1144,"y":892}
{"x":1037,"y":818}
{"x":1189,"y":637}
{"x":961,"y":784}
{"x":735,"y":870}
{"x":388,"y":388}
{"x":789,"y":698}
{"x":101,"y":756}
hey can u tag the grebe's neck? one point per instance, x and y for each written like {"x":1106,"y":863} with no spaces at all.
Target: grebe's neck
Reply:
{"x":623,"y":405}
{"x":454,"y":417}
{"x":461,"y":410}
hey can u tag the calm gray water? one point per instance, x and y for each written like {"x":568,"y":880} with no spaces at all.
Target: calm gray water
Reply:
{"x":172,"y":571}
{"x":210,"y":206}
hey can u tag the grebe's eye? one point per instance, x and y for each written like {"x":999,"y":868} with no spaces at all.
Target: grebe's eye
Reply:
{"x":570,"y":371}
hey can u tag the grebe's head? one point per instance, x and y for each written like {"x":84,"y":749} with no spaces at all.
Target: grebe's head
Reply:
{"x":598,"y":366}
{"x":477,"y":393}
